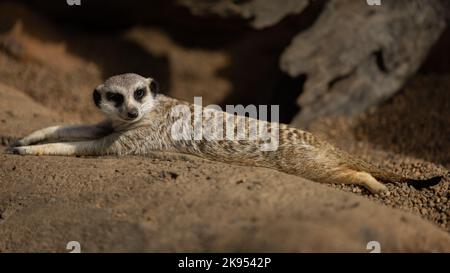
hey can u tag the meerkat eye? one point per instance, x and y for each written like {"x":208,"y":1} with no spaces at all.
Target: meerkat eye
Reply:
{"x":114,"y":97}
{"x":139,"y":93}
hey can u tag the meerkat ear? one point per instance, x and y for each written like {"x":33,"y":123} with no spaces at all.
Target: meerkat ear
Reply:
{"x":154,"y":86}
{"x":97,"y":97}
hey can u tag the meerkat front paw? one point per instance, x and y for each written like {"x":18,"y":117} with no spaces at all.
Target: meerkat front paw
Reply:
{"x":37,"y":136}
{"x":26,"y":150}
{"x":25,"y":142}
{"x":14,"y":150}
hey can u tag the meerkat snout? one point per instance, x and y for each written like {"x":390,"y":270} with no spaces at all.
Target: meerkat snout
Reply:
{"x":133,"y":113}
{"x":126,"y":97}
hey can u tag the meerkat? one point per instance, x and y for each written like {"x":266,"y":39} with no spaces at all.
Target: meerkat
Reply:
{"x":139,"y":121}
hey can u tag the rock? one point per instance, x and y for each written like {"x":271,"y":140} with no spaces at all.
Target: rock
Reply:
{"x":20,"y":120}
{"x":194,"y":214}
{"x":356,"y":62}
{"x":261,"y":13}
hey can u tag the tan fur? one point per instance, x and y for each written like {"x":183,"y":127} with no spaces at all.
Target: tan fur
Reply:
{"x":298,"y":153}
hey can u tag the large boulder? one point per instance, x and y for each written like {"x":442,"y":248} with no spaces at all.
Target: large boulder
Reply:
{"x":353,"y":56}
{"x":356,"y":56}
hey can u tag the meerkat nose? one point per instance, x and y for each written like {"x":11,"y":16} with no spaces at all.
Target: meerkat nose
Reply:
{"x":133,"y":113}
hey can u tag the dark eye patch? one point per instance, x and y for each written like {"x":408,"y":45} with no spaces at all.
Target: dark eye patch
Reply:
{"x":115,"y":97}
{"x":154,"y":87}
{"x":139,"y":94}
{"x":97,"y":98}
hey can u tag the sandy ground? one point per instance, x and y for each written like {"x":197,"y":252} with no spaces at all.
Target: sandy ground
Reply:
{"x":169,"y":202}
{"x":407,"y":135}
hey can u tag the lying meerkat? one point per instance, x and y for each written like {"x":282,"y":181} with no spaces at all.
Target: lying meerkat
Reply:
{"x":140,"y":121}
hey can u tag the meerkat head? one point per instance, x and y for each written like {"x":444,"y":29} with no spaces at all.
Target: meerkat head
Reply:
{"x":126,"y":97}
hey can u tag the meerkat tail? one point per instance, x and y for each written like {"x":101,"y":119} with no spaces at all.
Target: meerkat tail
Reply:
{"x":390,"y":177}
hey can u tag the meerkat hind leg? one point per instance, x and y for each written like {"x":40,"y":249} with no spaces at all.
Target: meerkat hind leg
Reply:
{"x":362,"y":178}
